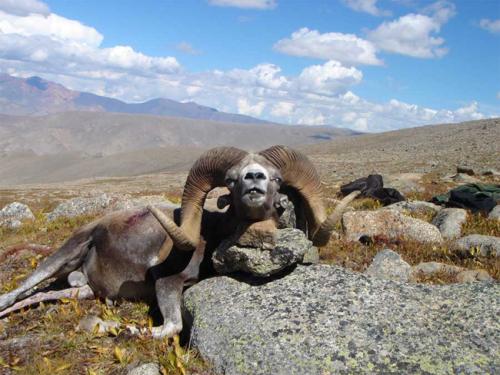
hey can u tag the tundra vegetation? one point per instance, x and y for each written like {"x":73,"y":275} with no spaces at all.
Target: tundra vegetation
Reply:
{"x":51,"y":327}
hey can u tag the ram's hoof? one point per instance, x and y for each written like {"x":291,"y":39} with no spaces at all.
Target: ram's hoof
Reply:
{"x":167,"y":330}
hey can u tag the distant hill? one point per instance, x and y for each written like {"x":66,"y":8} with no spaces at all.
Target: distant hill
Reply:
{"x":36,"y":96}
{"x":71,"y":145}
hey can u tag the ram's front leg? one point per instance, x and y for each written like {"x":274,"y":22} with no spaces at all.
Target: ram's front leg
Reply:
{"x":169,"y":295}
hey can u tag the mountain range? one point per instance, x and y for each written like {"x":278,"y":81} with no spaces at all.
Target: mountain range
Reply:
{"x":37,"y":96}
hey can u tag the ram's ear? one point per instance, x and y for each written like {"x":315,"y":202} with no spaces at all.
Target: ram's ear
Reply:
{"x":223,"y":201}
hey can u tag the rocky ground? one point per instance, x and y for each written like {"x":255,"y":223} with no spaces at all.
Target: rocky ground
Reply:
{"x":435,"y":272}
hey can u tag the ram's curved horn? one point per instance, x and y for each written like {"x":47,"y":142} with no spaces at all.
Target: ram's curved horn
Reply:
{"x":207,"y":173}
{"x":299,"y":173}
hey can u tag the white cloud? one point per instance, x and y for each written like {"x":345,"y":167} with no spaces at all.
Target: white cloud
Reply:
{"x":415,"y":34}
{"x":54,"y":44}
{"x":346,"y":48}
{"x":246,"y":4}
{"x":24,"y":7}
{"x":367,"y":6}
{"x":282,"y":109}
{"x":187,"y":48}
{"x":493,"y":26}
{"x":328,"y":79}
{"x":51,"y":26}
{"x":245,"y":108}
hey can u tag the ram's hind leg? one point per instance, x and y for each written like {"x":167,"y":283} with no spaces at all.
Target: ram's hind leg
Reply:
{"x":68,"y":258}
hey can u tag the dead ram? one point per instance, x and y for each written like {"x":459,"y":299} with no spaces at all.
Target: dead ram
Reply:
{"x":151,"y":254}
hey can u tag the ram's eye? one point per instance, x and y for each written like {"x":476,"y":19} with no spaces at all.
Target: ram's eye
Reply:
{"x":230,"y":182}
{"x":276,"y":179}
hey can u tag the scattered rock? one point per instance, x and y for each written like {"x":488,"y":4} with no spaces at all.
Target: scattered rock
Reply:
{"x":431,"y":268}
{"x":77,"y":279}
{"x":127,"y":203}
{"x":12,"y":215}
{"x":327,"y":320}
{"x":490,"y":172}
{"x":463,"y":178}
{"x":80,"y":206}
{"x":449,"y":222}
{"x":477,"y":244}
{"x":145,"y":369}
{"x":465,"y":169}
{"x":290,"y":248}
{"x":388,"y":223}
{"x":469,"y":276}
{"x":89,"y":323}
{"x":389,"y":265}
{"x":495,"y":213}
{"x":414,"y":207}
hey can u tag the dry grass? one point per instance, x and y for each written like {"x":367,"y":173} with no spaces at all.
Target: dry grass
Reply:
{"x":44,"y":340}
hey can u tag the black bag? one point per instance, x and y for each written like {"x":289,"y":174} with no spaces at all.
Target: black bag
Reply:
{"x":373,"y":187}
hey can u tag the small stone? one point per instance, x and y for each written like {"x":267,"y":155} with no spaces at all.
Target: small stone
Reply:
{"x":477,"y":244}
{"x":430,"y":268}
{"x":465,"y":178}
{"x":11,"y":223}
{"x":469,"y":276}
{"x":490,"y":172}
{"x":495,"y":213}
{"x":77,"y":279}
{"x":89,"y":323}
{"x":390,"y":224}
{"x":389,"y":265}
{"x":145,"y":369}
{"x":290,"y":248}
{"x":465,"y":169}
{"x":449,"y":222}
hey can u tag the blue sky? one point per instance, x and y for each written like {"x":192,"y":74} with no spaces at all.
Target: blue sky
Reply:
{"x":365,"y":64}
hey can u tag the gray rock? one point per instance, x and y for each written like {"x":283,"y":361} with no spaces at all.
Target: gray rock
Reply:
{"x":495,"y":213}
{"x":477,"y":244}
{"x":431,"y":268}
{"x":464,"y":178}
{"x":145,"y":369}
{"x":389,"y":265}
{"x":12,"y":215}
{"x":449,"y":222}
{"x":389,"y":223}
{"x":413,"y":207}
{"x":290,"y":248}
{"x":11,"y":223}
{"x":469,"y":276}
{"x":127,"y":203}
{"x":490,"y":172}
{"x":80,"y":206}
{"x":465,"y":169}
{"x":90,"y":322}
{"x":327,"y":320}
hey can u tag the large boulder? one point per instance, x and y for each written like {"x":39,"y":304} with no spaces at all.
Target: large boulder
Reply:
{"x":327,"y":320}
{"x":390,"y":224}
{"x":414,"y":207}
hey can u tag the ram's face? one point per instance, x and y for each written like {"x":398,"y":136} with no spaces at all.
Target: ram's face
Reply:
{"x":254,"y":186}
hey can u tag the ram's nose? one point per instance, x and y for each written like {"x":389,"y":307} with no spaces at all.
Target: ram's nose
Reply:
{"x":255,"y":176}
